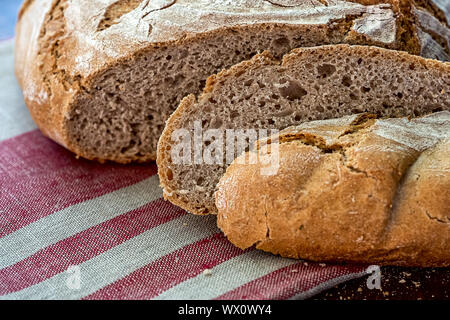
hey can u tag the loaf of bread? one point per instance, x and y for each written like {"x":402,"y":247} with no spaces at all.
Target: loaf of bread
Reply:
{"x":308,"y":84}
{"x":355,"y":189}
{"x":101,"y":77}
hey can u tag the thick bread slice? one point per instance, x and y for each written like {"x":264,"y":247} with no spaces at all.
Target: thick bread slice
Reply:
{"x":309,"y":84}
{"x":101,"y":77}
{"x":354,"y":190}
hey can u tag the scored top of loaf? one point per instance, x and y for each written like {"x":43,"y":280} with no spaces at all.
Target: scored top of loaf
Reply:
{"x":99,"y":32}
{"x":418,"y":133}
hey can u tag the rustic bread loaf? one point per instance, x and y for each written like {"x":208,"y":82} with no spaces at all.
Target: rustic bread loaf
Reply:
{"x":309,"y":84}
{"x":354,"y":189}
{"x":101,"y":77}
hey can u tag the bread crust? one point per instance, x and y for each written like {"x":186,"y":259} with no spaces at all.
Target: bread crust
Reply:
{"x":348,"y":190}
{"x":61,"y":49}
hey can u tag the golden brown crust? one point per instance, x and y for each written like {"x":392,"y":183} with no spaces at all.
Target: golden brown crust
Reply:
{"x":60,"y":48}
{"x":375,"y":194}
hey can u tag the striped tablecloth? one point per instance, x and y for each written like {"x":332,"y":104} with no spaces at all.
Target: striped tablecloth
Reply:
{"x":75,"y":229}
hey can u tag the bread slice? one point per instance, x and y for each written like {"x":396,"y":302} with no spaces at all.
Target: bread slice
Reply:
{"x":354,"y":189}
{"x":101,"y":77}
{"x":308,"y":84}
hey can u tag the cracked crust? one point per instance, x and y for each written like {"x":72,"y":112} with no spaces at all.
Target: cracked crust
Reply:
{"x":64,"y":47}
{"x":354,"y":189}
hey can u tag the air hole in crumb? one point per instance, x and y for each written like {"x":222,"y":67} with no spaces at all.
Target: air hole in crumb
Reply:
{"x":365,"y":89}
{"x":347,"y":81}
{"x":292,"y":90}
{"x":281,"y":42}
{"x":202,"y":84}
{"x":326,"y":70}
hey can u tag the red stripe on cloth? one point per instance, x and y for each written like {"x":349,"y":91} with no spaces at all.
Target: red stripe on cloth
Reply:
{"x":170,"y":270}
{"x":289,"y":281}
{"x":39,"y":177}
{"x":85,"y":245}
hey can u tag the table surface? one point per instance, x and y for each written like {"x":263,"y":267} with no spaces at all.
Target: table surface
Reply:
{"x":397,"y":283}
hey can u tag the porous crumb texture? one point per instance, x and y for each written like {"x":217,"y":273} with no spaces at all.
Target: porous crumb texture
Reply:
{"x":101,"y":77}
{"x":310,"y":84}
{"x":121,"y":116}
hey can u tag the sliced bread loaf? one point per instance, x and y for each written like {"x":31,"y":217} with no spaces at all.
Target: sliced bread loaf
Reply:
{"x":101,"y":77}
{"x":353,"y":189}
{"x":308,"y":84}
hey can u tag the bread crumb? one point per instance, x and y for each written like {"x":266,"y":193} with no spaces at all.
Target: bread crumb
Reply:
{"x":407,"y":274}
{"x":402,"y":281}
{"x":294,"y":271}
{"x":207,"y":272}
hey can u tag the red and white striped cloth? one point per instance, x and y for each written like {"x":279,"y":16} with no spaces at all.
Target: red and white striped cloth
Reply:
{"x":112,"y":223}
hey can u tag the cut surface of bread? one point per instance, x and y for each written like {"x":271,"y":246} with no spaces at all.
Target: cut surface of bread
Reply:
{"x":308,"y":84}
{"x":354,"y":189}
{"x":101,"y":77}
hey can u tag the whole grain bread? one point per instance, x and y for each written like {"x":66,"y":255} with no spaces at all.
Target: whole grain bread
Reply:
{"x":101,"y":77}
{"x":308,"y":84}
{"x":354,"y":189}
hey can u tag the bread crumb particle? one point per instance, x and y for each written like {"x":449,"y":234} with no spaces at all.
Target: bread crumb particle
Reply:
{"x":407,"y":274}
{"x":207,"y":272}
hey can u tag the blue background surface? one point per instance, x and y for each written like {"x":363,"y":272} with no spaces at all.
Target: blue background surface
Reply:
{"x":8,"y":17}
